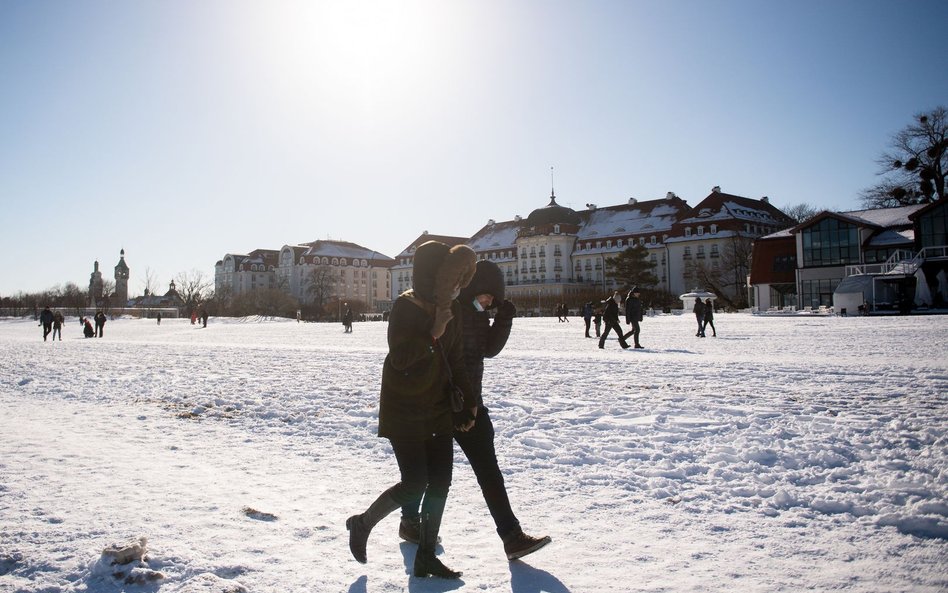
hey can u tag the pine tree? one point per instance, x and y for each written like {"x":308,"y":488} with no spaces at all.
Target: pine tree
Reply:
{"x":632,"y":268}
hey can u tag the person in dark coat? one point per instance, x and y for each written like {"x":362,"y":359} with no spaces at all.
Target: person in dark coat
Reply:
{"x":597,"y":319}
{"x":611,"y":317}
{"x":99,"y":319}
{"x":58,"y":322}
{"x":698,"y":310}
{"x":425,"y":358}
{"x":709,"y":318}
{"x":46,"y":320}
{"x":633,"y":315}
{"x":347,"y":321}
{"x":587,"y":316}
{"x":483,"y":339}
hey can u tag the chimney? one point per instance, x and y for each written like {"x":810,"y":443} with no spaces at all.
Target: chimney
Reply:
{"x":591,"y":206}
{"x":765,"y":200}
{"x":670,"y":195}
{"x":716,"y":189}
{"x":633,"y":201}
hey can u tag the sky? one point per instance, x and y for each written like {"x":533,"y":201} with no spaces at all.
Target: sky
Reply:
{"x":183,"y":131}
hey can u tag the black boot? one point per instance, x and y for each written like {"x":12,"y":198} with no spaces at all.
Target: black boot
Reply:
{"x":426,"y":563}
{"x":360,"y":526}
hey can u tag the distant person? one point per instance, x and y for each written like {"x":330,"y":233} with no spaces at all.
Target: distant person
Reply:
{"x":633,"y":315}
{"x":565,"y":311}
{"x":698,"y":310}
{"x":610,"y":316}
{"x":587,"y":316}
{"x":159,"y":318}
{"x":709,"y":318}
{"x":87,"y":330}
{"x":194,"y":317}
{"x":58,"y":325}
{"x":347,"y":321}
{"x":100,"y":320}
{"x":46,"y":320}
{"x":597,"y":319}
{"x":203,"y":317}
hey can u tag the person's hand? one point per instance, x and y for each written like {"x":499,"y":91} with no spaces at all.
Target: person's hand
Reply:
{"x":464,"y":420}
{"x":442,"y":317}
{"x":506,"y":310}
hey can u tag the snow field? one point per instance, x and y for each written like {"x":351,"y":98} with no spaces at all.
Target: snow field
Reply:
{"x":786,"y":454}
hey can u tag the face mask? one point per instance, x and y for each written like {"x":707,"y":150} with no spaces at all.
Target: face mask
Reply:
{"x":478,"y":306}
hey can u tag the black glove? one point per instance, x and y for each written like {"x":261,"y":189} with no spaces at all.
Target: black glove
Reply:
{"x":506,"y":310}
{"x":463,"y":417}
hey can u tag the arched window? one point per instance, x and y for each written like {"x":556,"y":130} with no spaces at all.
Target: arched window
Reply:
{"x":325,"y":261}
{"x":342,"y":262}
{"x":335,"y":261}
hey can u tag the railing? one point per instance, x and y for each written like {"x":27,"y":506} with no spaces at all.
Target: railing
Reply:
{"x":902,"y":261}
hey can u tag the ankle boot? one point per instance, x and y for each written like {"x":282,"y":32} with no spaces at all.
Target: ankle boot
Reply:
{"x":360,"y":526}
{"x":426,"y":563}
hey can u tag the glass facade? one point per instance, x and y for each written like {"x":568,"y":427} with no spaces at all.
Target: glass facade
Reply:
{"x":831,"y":242}
{"x":933,"y":227}
{"x":814,"y":293}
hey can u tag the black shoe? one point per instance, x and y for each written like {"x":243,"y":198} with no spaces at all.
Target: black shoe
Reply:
{"x":521,"y":544}
{"x":639,"y":346}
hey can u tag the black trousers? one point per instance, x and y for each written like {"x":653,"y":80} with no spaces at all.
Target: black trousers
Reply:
{"x":425,"y":467}
{"x":612,"y":324}
{"x":588,"y":321}
{"x":634,"y":332}
{"x":478,"y":447}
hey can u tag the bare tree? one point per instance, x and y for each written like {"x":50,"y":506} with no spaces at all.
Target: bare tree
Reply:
{"x":729,"y":278}
{"x":914,"y":167}
{"x":150,"y":282}
{"x":192,"y":286}
{"x":318,"y":282}
{"x":801,"y":212}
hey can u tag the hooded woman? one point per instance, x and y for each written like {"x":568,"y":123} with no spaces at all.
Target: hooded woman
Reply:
{"x":415,"y":409}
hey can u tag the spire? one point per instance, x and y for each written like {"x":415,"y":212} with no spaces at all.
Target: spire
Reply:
{"x":552,"y":190}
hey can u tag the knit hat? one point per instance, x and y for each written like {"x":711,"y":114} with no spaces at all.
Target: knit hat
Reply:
{"x":488,"y":279}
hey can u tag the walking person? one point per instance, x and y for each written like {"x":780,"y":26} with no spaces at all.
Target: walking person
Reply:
{"x":483,"y":339}
{"x":698,"y":310}
{"x":58,"y":321}
{"x":347,"y":321}
{"x":587,"y":317}
{"x":423,"y":367}
{"x":46,"y":320}
{"x":597,"y":319}
{"x":709,"y":318}
{"x":633,"y":315}
{"x":99,"y":319}
{"x":610,"y":316}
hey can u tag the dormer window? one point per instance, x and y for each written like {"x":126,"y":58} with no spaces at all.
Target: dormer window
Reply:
{"x":714,"y":229}
{"x":556,"y":229}
{"x":688,"y":232}
{"x":342,"y":262}
{"x":700,"y":230}
{"x":642,"y":241}
{"x":335,"y":261}
{"x":652,"y":239}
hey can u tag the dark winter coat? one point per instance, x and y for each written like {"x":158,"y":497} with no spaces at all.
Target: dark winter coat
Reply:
{"x":633,"y":309}
{"x":483,"y":339}
{"x":99,"y":318}
{"x":415,"y":403}
{"x":611,"y":312}
{"x":58,"y":320}
{"x":708,"y":312}
{"x":46,"y":317}
{"x":699,"y":308}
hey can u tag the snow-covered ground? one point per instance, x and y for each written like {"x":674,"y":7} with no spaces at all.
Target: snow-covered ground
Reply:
{"x":787,"y":454}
